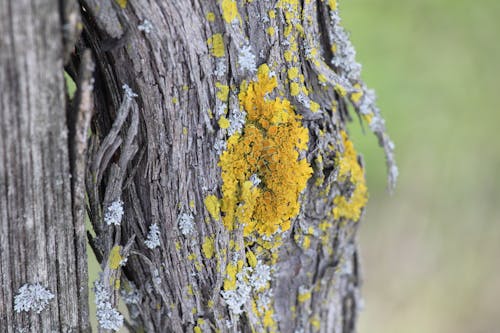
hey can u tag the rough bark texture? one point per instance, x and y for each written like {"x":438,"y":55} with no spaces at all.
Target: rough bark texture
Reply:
{"x":158,"y":152}
{"x":168,"y":97}
{"x":42,"y":237}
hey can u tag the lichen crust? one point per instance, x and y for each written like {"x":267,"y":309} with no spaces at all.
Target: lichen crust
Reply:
{"x":267,"y":149}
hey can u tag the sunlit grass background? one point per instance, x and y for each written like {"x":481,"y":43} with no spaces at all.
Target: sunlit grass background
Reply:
{"x":431,"y":252}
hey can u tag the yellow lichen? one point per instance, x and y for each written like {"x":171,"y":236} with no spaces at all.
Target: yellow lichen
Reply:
{"x":314,"y":106}
{"x":122,"y":3}
{"x":268,"y":147}
{"x":356,"y":96}
{"x":230,"y":11}
{"x":293,"y":73}
{"x":350,"y":170}
{"x":208,"y":247}
{"x":216,"y":45}
{"x":197,"y":329}
{"x":315,"y":322}
{"x":252,"y":260}
{"x":210,"y":16}
{"x":115,"y":257}
{"x":341,"y":90}
{"x":223,"y":92}
{"x":304,"y":296}
{"x":270,"y":31}
{"x":307,"y":242}
{"x":294,"y":89}
{"x":223,"y":122}
{"x":332,"y":4}
{"x":213,"y":206}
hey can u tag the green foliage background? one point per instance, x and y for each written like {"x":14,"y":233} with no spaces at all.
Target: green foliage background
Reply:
{"x":431,"y":251}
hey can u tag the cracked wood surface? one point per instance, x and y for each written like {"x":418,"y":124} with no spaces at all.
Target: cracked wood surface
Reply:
{"x":41,"y":240}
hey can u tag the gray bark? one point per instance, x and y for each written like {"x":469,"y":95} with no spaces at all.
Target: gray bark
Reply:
{"x":166,"y":165}
{"x":153,"y":152}
{"x":42,"y":238}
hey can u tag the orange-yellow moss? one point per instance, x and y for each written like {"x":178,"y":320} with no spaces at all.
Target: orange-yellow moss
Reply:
{"x":350,"y":170}
{"x":268,"y":147}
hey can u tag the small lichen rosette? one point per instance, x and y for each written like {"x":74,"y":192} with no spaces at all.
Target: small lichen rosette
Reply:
{"x":267,"y":149}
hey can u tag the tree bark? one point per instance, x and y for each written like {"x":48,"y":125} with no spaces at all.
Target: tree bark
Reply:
{"x":42,"y":238}
{"x":178,"y":57}
{"x":197,"y":229}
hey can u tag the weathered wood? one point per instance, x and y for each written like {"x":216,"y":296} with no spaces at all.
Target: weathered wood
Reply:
{"x":185,"y":60}
{"x":41,"y":240}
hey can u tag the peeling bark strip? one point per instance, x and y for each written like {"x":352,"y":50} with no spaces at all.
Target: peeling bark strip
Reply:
{"x":228,"y":153}
{"x":43,"y":265}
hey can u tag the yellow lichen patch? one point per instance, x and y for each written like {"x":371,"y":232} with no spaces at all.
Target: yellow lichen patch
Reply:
{"x":307,"y":242}
{"x":350,"y":170}
{"x":341,"y":90}
{"x":332,"y":4}
{"x":267,"y":148}
{"x":367,"y":117}
{"x":268,"y":320}
{"x":115,"y":257}
{"x":314,"y":106}
{"x":210,"y":16}
{"x":356,"y":96}
{"x":315,"y":322}
{"x":197,"y":329}
{"x":294,"y":89}
{"x":270,"y":31}
{"x":293,"y":73}
{"x":231,"y":270}
{"x":213,"y":206}
{"x":230,"y":11}
{"x":272,"y":14}
{"x":122,"y":3}
{"x":223,"y":92}
{"x":223,"y":122}
{"x":117,"y":284}
{"x":304,"y":296}
{"x":208,"y":247}
{"x":216,"y":45}
{"x":251,"y":258}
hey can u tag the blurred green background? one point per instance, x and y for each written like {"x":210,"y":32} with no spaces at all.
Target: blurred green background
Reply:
{"x":431,"y":252}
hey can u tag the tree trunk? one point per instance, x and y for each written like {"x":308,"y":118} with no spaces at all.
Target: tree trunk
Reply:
{"x":223,"y":190}
{"x":43,"y":264}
